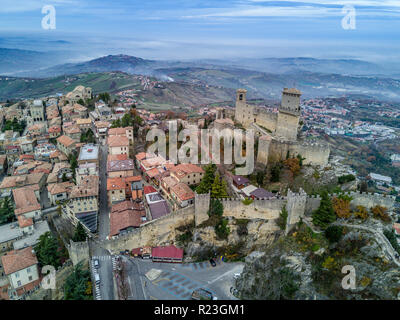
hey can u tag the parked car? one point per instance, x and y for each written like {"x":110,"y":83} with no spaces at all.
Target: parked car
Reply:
{"x":96,"y":263}
{"x":236,"y":276}
{"x":212,"y":262}
{"x":202,"y":294}
{"x":97,"y":278}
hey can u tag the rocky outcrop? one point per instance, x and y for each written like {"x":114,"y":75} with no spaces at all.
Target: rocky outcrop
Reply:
{"x":304,"y":265}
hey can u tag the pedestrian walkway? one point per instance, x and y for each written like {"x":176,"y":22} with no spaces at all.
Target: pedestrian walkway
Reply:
{"x":102,"y":258}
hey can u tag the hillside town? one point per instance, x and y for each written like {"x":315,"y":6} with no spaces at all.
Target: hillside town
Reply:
{"x":75,"y":173}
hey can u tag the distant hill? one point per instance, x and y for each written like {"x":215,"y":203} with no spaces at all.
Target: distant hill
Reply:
{"x":14,"y":61}
{"x":300,"y":64}
{"x":124,"y":63}
{"x":344,"y":77}
{"x":172,"y":94}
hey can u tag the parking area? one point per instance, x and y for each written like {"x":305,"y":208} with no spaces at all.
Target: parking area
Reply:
{"x":178,"y":281}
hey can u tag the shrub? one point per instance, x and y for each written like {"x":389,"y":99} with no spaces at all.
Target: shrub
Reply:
{"x":380,"y":212}
{"x":247,"y":201}
{"x":221,"y":229}
{"x":361,"y":213}
{"x":334,"y":233}
{"x":346,"y":178}
{"x":341,"y":207}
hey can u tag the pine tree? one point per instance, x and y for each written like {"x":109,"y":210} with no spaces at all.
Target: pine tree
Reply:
{"x":80,"y":233}
{"x":216,"y":187}
{"x":208,"y":179}
{"x":47,"y":250}
{"x":325,"y":214}
{"x":224,"y":188}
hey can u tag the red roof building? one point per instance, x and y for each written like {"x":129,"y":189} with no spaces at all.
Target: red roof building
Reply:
{"x":167,"y":254}
{"x":149,"y":189}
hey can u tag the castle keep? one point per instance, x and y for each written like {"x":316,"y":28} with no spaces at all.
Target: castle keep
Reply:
{"x":278,"y":132}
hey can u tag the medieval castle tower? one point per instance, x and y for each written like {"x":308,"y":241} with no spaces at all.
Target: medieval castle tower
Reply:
{"x":278,"y":132}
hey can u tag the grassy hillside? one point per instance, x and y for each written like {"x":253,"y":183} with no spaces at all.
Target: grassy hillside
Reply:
{"x":174,"y":94}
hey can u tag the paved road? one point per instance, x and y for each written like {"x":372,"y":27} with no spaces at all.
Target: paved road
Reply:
{"x":105,"y":270}
{"x":135,"y":282}
{"x":177,"y":281}
{"x":105,"y":273}
{"x":104,"y":219}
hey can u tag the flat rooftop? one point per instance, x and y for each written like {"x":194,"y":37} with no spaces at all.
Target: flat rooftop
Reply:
{"x":10,"y":232}
{"x":89,"y":152}
{"x":41,"y":227}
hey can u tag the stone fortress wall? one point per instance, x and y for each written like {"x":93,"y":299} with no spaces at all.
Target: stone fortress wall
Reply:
{"x":163,"y":231}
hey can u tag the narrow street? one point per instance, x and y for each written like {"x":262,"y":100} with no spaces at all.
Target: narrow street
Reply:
{"x":104,"y":257}
{"x":104,"y":219}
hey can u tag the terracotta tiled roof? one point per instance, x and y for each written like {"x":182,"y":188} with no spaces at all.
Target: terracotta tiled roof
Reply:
{"x":187,"y":168}
{"x":21,"y":180}
{"x":25,"y":200}
{"x":133,"y":179}
{"x":89,"y":187}
{"x":118,"y":131}
{"x":117,"y":157}
{"x":124,"y":215}
{"x":118,"y":141}
{"x":24,"y":222}
{"x":56,"y":188}
{"x":54,"y":129}
{"x":182,"y":191}
{"x":121,"y":165}
{"x":115,"y":183}
{"x":66,"y":141}
{"x":143,"y":155}
{"x":152,"y":173}
{"x":17,"y":260}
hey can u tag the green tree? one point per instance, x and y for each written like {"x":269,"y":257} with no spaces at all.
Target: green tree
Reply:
{"x":276,"y":172}
{"x":47,"y":250}
{"x":216,"y":208}
{"x":126,"y":120}
{"x":116,"y":124}
{"x":218,"y":188}
{"x":208,"y":179}
{"x":73,"y":161}
{"x":6,"y":211}
{"x":105,"y":96}
{"x":325,"y":214}
{"x":283,"y":215}
{"x":76,"y":286}
{"x":221,"y":229}
{"x":80,"y":233}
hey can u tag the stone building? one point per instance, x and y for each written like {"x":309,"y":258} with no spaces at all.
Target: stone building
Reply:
{"x":279,"y":132}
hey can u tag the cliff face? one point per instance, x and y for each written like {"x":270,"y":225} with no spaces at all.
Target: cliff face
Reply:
{"x":244,"y":237}
{"x":304,"y":265}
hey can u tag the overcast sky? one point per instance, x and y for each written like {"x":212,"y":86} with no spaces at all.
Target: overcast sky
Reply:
{"x":192,"y":29}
